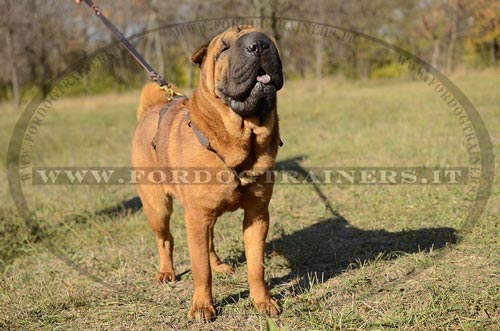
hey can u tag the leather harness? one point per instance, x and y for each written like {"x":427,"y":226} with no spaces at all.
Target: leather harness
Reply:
{"x":202,"y":139}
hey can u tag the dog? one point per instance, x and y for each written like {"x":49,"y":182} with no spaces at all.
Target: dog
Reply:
{"x":229,"y":123}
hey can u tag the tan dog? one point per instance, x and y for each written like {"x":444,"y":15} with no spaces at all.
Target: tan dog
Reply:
{"x":234,"y":106}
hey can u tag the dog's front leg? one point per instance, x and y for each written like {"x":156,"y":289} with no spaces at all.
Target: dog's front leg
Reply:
{"x":198,"y":232}
{"x":255,"y":226}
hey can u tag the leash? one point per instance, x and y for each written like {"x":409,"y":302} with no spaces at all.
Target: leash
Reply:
{"x":162,"y":82}
{"x":164,"y":85}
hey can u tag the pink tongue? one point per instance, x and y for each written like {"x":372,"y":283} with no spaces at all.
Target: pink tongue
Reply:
{"x":264,"y":79}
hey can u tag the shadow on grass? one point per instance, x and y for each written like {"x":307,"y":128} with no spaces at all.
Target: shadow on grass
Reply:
{"x":131,"y":206}
{"x":329,"y":246}
{"x":16,"y":233}
{"x":126,"y":207}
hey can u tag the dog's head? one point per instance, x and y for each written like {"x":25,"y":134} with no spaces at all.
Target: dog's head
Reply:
{"x":242,"y":68}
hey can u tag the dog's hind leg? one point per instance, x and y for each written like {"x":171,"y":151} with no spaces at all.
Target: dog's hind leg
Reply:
{"x":215,"y":262}
{"x":158,"y":209}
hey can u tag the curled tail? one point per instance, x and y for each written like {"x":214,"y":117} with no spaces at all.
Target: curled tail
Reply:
{"x":151,"y":95}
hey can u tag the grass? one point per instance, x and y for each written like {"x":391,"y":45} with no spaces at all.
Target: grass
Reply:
{"x":387,"y":257}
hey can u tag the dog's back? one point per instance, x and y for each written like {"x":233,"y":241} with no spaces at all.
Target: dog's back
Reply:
{"x":151,"y":101}
{"x":151,"y":95}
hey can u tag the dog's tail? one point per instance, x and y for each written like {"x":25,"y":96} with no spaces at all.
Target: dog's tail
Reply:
{"x":151,"y":95}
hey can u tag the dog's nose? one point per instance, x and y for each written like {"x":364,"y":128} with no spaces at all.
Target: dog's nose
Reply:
{"x":255,"y":42}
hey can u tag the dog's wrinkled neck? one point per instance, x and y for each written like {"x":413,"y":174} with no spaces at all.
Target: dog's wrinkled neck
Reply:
{"x":221,"y":125}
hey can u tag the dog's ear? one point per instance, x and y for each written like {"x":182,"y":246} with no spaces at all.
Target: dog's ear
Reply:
{"x":200,"y":54}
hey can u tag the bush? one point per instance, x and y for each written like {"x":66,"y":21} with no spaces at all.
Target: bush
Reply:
{"x":391,"y":70}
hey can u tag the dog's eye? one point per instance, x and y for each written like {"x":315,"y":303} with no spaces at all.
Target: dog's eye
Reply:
{"x":223,"y":48}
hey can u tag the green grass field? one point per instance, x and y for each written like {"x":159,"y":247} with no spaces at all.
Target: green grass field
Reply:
{"x":352,"y":257}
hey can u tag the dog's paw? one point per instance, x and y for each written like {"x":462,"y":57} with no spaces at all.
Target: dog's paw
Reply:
{"x":202,"y":314}
{"x":165,"y":277}
{"x":223,"y":268}
{"x":268,"y":308}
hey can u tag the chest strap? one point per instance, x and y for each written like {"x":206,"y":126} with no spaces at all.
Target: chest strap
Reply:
{"x":203,"y":140}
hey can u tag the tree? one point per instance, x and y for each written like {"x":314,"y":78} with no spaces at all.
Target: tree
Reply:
{"x":484,"y":33}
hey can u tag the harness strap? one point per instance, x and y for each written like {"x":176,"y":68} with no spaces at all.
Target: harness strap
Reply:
{"x":202,"y":139}
{"x":172,"y":104}
{"x":205,"y":143}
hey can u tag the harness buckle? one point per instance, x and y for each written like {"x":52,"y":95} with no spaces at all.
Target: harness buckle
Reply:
{"x":169,"y":91}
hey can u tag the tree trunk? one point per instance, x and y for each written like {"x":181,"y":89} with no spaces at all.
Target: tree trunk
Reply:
{"x":354,"y":62}
{"x":158,"y":48}
{"x":13,"y":67}
{"x":46,"y":75}
{"x":274,"y":21}
{"x":15,"y":85}
{"x":259,"y":8}
{"x":154,"y":38}
{"x":435,"y":53}
{"x":493,"y":52}
{"x":148,"y":44}
{"x":453,"y":39}
{"x":364,"y":65}
{"x":319,"y":63}
{"x":319,"y":54}
{"x":86,"y":86}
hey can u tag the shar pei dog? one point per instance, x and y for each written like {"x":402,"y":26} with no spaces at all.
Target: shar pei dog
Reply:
{"x":229,"y":129}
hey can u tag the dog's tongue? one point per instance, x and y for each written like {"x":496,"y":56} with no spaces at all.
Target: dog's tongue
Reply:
{"x":264,"y":79}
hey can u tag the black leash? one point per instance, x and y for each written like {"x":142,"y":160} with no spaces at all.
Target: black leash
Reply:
{"x":162,"y":82}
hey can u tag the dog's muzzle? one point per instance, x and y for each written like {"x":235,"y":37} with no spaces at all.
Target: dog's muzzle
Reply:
{"x":254,"y":75}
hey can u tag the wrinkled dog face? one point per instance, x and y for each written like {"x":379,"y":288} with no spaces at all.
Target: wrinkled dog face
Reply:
{"x":242,"y":68}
